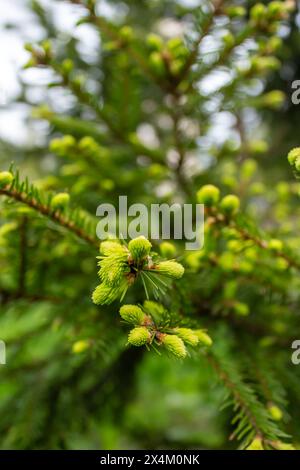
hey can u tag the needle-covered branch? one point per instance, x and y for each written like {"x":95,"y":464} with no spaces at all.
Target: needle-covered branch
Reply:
{"x":54,"y":207}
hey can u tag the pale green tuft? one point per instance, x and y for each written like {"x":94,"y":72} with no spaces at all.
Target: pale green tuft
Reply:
{"x":105,"y":294}
{"x":6,"y":178}
{"x":114,"y":267}
{"x":167,"y":250}
{"x":187,"y":335}
{"x":139,"y":248}
{"x":132,"y":314}
{"x":275,"y":244}
{"x":60,"y":201}
{"x":203,"y":337}
{"x":273,"y":99}
{"x":208,"y":195}
{"x":109,"y":247}
{"x":175,"y":346}
{"x":139,"y":336}
{"x":153,"y":308}
{"x":284,"y":446}
{"x":230,"y":204}
{"x":256,"y":444}
{"x":275,"y":412}
{"x":240,"y":308}
{"x":258,"y":12}
{"x":154,"y":41}
{"x":293,"y":156}
{"x":171,"y":269}
{"x":80,"y":346}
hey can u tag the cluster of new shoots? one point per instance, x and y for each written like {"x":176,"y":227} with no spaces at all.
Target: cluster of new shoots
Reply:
{"x":166,"y":57}
{"x":151,"y":327}
{"x":121,"y":265}
{"x":209,"y":195}
{"x":267,"y":17}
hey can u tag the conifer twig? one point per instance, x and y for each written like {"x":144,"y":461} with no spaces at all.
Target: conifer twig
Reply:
{"x":44,"y":209}
{"x":261,"y":243}
{"x":236,"y":394}
{"x":251,"y":418}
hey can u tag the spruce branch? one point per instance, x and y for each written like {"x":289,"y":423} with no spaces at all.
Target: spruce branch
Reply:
{"x":81,"y":225}
{"x":268,"y":384}
{"x":259,"y":241}
{"x":251,"y":418}
{"x":246,"y":235}
{"x":224,"y":213}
